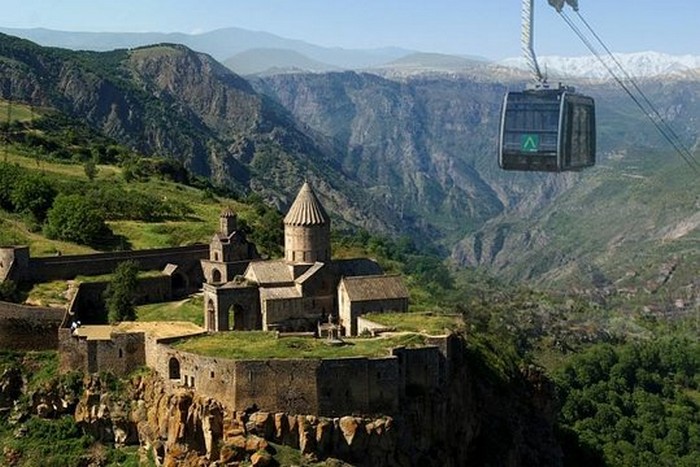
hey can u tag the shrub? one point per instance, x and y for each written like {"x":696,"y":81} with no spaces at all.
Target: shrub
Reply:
{"x":74,"y":218}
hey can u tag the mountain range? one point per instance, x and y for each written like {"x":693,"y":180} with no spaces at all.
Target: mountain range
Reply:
{"x":254,"y":52}
{"x":407,"y":149}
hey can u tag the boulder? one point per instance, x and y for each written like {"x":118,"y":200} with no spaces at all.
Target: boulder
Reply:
{"x":261,"y":459}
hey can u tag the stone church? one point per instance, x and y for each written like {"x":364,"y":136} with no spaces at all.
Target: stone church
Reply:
{"x":298,"y":292}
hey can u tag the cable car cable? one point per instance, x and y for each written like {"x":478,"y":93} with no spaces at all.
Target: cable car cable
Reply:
{"x":689,"y":159}
{"x":637,"y":88}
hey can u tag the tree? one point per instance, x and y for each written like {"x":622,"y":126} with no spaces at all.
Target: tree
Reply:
{"x":90,"y":168}
{"x":74,"y":218}
{"x":33,"y":194}
{"x":119,"y":295}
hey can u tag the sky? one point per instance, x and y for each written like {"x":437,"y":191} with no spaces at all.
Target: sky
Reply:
{"x":487,"y":28}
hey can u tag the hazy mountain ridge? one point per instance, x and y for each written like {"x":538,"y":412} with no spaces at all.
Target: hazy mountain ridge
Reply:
{"x":221,"y":44}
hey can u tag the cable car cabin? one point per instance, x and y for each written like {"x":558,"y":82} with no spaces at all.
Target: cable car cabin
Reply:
{"x":547,"y":130}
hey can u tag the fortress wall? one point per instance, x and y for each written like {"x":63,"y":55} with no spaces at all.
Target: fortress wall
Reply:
{"x":88,"y":304}
{"x":72,"y":352}
{"x":277,"y":385}
{"x":343,"y":386}
{"x":383,"y":385}
{"x":210,"y":377}
{"x":67,"y":267}
{"x":419,"y":369}
{"x":14,"y":263}
{"x":451,"y":348}
{"x":25,"y":327}
{"x":122,"y":354}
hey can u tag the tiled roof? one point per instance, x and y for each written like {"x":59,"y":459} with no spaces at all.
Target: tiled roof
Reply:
{"x":306,"y":209}
{"x":279,"y":293}
{"x":363,"y":288}
{"x":269,"y":272}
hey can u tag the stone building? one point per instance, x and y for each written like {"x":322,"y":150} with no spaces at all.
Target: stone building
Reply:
{"x":295,"y":293}
{"x":229,"y":251}
{"x":369,"y":294}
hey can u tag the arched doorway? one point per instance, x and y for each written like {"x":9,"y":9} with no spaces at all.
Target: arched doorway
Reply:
{"x":211,"y":316}
{"x":174,"y":368}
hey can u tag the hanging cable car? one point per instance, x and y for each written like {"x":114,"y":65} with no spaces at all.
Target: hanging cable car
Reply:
{"x":546,"y":129}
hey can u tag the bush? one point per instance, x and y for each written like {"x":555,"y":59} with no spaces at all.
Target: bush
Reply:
{"x":8,"y":291}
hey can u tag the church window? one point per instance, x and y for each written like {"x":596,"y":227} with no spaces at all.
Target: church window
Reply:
{"x":211,"y":375}
{"x":121,"y":353}
{"x":216,"y":256}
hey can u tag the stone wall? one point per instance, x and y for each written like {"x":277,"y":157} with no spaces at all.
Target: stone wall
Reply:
{"x":419,"y":369}
{"x":211,"y":377}
{"x":50,"y":268}
{"x":29,"y":328}
{"x":329,"y":387}
{"x":88,"y":305}
{"x":14,"y":263}
{"x":121,"y":354}
{"x":349,"y":311}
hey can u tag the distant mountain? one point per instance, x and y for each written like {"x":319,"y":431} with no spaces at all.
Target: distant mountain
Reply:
{"x":221,"y":44}
{"x":171,"y":101}
{"x":642,"y":65}
{"x":272,"y":61}
{"x":421,"y":62}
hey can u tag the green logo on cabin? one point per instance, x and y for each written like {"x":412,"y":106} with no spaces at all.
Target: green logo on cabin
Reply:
{"x":529,"y":143}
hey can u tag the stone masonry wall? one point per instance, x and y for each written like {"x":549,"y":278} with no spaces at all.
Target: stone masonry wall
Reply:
{"x":277,"y":385}
{"x":67,"y":267}
{"x":29,"y":328}
{"x":88,"y":304}
{"x":121,"y":354}
{"x":328,"y":387}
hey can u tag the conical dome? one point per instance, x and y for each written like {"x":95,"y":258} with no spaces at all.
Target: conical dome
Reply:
{"x":306,"y":209}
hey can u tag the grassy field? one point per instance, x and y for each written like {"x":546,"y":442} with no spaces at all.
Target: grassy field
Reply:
{"x":258,"y":345}
{"x":423,"y":322}
{"x":190,"y":309}
{"x":196,"y":227}
{"x":17,"y":112}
